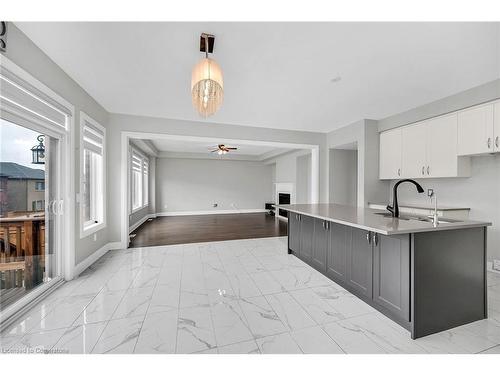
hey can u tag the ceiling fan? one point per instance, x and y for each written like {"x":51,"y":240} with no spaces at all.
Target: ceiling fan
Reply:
{"x":223,"y":149}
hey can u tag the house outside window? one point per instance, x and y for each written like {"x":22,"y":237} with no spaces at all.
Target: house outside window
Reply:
{"x":93,"y":176}
{"x":40,"y":185}
{"x":139,"y":175}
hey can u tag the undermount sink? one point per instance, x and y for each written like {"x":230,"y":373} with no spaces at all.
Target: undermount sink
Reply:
{"x":418,"y":218}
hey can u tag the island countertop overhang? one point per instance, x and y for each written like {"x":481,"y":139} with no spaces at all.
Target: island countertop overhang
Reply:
{"x":367,"y":219}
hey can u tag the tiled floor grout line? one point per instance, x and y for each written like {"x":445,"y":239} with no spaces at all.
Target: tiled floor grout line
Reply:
{"x":258,"y":258}
{"x":491,"y":347}
{"x":147,"y":309}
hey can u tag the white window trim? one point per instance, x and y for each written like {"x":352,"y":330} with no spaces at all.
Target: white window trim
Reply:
{"x":85,"y":229}
{"x":65,"y":228}
{"x":143,"y":157}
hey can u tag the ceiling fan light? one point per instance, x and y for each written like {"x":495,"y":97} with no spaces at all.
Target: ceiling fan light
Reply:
{"x":220,"y":152}
{"x":207,"y":87}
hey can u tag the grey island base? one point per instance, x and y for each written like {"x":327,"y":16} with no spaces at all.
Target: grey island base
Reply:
{"x":426,"y":278}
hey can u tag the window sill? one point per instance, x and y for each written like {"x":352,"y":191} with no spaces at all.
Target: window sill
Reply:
{"x":91,"y":229}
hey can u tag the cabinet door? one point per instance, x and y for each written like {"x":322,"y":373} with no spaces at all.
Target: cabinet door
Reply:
{"x":294,"y":232}
{"x":320,"y":244}
{"x":390,"y":154}
{"x":475,"y":130}
{"x":414,"y":146}
{"x":442,"y":155}
{"x":340,"y":236}
{"x":306,"y":237}
{"x":496,"y":130}
{"x":359,"y":262}
{"x":391,"y":274}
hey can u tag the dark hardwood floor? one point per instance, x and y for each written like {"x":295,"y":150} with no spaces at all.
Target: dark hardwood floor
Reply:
{"x":172,"y":230}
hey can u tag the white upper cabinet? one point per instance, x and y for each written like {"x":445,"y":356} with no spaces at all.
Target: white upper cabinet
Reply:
{"x":390,"y":154}
{"x":475,"y":130}
{"x":414,"y":155}
{"x":442,"y":155}
{"x":496,"y":127}
{"x":428,"y":150}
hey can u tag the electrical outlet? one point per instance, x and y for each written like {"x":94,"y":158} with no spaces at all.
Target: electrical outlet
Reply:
{"x":165,"y":206}
{"x":95,"y":236}
{"x":496,"y":264}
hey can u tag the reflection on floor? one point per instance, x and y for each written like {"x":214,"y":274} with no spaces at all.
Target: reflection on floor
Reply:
{"x":172,"y":230}
{"x":245,"y":296}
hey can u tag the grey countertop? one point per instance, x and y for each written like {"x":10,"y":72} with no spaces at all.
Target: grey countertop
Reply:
{"x":366,"y":218}
{"x":423,"y":206}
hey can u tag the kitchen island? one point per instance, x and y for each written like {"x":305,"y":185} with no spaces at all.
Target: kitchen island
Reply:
{"x":426,"y":277}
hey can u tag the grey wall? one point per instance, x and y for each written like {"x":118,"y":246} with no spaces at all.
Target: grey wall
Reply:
{"x":303,"y":179}
{"x":196,"y":184}
{"x":23,"y":52}
{"x":365,"y":134}
{"x":343,"y":177}
{"x":120,"y":123}
{"x":295,"y":167}
{"x":476,"y":95}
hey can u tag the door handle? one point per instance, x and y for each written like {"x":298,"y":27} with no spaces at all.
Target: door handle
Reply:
{"x":497,"y":142}
{"x":375,"y":239}
{"x":399,"y":171}
{"x":489,"y":142}
{"x":428,"y":170}
{"x":368,"y":238}
{"x":423,"y":171}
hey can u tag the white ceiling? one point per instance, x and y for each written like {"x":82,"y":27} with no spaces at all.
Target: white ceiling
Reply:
{"x":171,"y":145}
{"x":276,"y":75}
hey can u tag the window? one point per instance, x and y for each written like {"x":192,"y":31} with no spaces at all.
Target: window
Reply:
{"x":40,"y":185}
{"x":139,"y":183}
{"x":37,"y":205}
{"x":92,"y":191}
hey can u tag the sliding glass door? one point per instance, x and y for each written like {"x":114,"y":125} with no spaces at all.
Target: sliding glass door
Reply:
{"x":30,"y":211}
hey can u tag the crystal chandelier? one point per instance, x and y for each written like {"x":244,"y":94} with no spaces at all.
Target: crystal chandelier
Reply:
{"x":207,"y":86}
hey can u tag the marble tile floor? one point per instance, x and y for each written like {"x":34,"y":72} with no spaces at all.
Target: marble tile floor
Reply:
{"x":231,"y":297}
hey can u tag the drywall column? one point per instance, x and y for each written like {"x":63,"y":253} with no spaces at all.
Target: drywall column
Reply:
{"x":315,"y":175}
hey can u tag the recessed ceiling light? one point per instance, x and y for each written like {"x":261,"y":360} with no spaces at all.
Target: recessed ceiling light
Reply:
{"x":335,"y":79}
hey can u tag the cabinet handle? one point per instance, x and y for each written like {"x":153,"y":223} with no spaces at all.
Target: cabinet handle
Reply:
{"x":327,"y":224}
{"x":368,"y":238}
{"x":399,"y":171}
{"x":489,"y":142}
{"x":423,"y":171}
{"x":497,"y":142}
{"x":375,"y":239}
{"x":428,"y":170}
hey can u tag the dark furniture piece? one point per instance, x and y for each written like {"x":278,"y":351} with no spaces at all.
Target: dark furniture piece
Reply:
{"x":270,"y":209}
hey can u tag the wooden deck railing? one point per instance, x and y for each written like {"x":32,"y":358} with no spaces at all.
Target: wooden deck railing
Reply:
{"x":22,"y":251}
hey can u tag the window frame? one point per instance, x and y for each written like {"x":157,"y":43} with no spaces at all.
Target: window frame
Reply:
{"x":88,"y":227}
{"x":42,"y":184}
{"x":144,"y":176}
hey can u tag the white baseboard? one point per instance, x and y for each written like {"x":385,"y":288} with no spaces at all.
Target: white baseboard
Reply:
{"x":94,"y":257}
{"x":489,"y":267}
{"x":211,"y":212}
{"x":140,"y":222}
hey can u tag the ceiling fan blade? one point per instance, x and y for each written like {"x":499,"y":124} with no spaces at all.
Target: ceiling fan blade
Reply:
{"x":231,"y":148}
{"x":214,"y":150}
